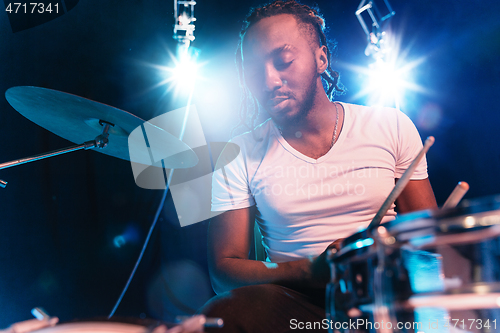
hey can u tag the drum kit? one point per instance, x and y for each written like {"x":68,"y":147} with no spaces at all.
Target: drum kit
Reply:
{"x":78,"y":119}
{"x":193,"y":324}
{"x":429,"y":271}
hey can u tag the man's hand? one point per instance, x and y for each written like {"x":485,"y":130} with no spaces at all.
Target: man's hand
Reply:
{"x":320,"y":268}
{"x":229,"y":240}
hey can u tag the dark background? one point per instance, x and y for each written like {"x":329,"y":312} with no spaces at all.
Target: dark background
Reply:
{"x":59,"y":218}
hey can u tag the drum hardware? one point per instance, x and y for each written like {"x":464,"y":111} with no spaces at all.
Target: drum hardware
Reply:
{"x":362,"y":258}
{"x":100,"y":141}
{"x":421,"y":240}
{"x":372,"y":280}
{"x":352,"y":285}
{"x":467,"y":301}
{"x":361,"y":263}
{"x":451,"y":260}
{"x":454,"y":301}
{"x":397,"y":275}
{"x":76,"y":119}
{"x":351,"y":288}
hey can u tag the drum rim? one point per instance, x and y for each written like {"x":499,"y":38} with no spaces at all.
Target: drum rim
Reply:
{"x":471,"y":215}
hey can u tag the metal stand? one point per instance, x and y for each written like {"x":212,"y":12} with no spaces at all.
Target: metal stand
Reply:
{"x":100,"y":141}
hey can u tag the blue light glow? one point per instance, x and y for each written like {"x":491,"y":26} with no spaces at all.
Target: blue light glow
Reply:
{"x":119,"y":241}
{"x":364,"y":243}
{"x":389,"y":77}
{"x":182,"y":73}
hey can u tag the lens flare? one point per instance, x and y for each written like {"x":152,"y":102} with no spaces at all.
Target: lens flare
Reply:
{"x":389,"y":77}
{"x":182,"y":73}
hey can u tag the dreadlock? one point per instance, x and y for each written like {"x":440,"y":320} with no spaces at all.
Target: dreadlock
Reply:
{"x":315,"y":24}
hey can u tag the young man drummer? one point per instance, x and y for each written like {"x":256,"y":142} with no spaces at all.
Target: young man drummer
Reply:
{"x":313,"y":173}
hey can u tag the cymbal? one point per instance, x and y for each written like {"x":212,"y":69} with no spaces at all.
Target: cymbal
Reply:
{"x":77,"y":119}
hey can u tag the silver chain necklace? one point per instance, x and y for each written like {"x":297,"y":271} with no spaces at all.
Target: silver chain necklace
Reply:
{"x":334,"y":129}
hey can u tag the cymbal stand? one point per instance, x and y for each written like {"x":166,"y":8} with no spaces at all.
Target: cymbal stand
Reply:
{"x":100,"y":141}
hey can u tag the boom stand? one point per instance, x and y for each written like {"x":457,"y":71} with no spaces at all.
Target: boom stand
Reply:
{"x":100,"y":141}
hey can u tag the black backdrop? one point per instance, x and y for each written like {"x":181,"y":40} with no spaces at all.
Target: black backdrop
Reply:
{"x":59,"y":217}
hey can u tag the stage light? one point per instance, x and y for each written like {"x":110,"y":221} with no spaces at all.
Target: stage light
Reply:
{"x":180,"y":69}
{"x":181,"y":73}
{"x":386,"y":83}
{"x":185,"y":71}
{"x":184,"y":21}
{"x":376,"y":37}
{"x":389,"y":76}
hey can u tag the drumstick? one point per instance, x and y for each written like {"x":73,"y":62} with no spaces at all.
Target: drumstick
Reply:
{"x":400,"y":185}
{"x":39,"y":313}
{"x":457,"y":195}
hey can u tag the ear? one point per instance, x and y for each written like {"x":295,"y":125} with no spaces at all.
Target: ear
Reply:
{"x":321,"y":59}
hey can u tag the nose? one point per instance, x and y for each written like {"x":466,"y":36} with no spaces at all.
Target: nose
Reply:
{"x":272,"y":79}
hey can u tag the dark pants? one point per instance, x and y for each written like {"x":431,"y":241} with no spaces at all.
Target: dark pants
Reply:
{"x":267,"y":308}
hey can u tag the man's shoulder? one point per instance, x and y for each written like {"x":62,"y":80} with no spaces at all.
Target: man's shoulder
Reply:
{"x":371,"y":115}
{"x":363,"y":110}
{"x":251,"y":145}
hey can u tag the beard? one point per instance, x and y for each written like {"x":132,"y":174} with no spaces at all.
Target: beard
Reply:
{"x":304,"y":105}
{"x":308,"y":101}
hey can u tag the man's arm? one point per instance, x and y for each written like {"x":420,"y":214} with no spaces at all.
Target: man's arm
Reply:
{"x":417,"y":195}
{"x":229,"y":238}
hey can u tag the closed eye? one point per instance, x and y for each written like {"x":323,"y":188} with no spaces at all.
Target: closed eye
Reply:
{"x":282,"y":65}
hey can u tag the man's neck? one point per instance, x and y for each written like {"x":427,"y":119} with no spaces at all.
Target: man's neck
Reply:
{"x":314,"y":135}
{"x":319,"y":120}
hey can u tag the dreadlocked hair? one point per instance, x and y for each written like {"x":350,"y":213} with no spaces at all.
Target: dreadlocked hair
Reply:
{"x":304,"y":14}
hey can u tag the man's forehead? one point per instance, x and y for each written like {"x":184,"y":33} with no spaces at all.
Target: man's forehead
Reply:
{"x":271,"y":34}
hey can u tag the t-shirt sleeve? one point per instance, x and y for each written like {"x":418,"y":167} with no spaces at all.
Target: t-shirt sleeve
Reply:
{"x":230,"y":188}
{"x":409,"y":145}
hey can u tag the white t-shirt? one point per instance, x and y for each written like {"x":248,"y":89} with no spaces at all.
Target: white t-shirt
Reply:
{"x":303,"y":204}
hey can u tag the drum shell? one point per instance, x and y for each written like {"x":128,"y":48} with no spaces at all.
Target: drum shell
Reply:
{"x":451,"y":259}
{"x":351,"y":293}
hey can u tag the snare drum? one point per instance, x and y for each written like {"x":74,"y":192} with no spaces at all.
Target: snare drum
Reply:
{"x":450,"y":259}
{"x":356,"y":279}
